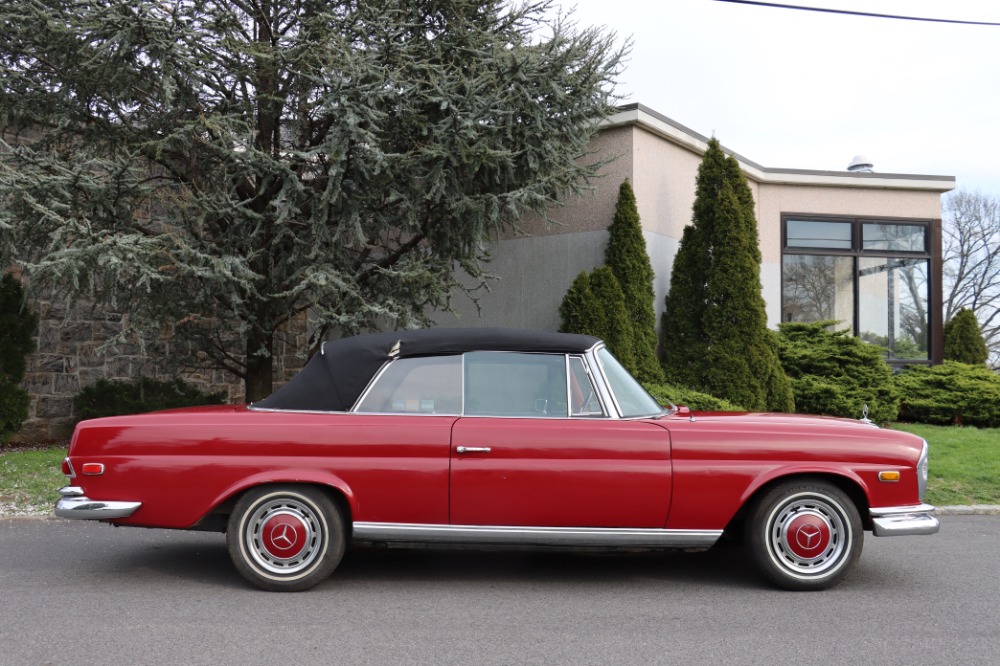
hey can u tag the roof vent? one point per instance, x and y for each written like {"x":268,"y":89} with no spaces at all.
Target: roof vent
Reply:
{"x":860,"y":164}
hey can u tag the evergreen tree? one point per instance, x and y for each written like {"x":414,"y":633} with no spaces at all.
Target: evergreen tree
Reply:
{"x":17,"y":330}
{"x":714,"y":325}
{"x":682,"y":340}
{"x":580,"y":311}
{"x":963,"y":339}
{"x":618,"y":333}
{"x":223,"y":167}
{"x":626,"y":256}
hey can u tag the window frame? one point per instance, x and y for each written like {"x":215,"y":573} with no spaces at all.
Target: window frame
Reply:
{"x":931,"y":253}
{"x":586,"y":359}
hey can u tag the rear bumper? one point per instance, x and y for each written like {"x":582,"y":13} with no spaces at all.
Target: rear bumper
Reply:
{"x":77,"y":506}
{"x":904,"y":520}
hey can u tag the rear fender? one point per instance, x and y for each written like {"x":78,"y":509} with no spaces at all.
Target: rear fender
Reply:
{"x":286,"y":476}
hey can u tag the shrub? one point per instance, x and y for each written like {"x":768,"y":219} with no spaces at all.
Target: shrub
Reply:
{"x":951,"y":393}
{"x":835,"y":373}
{"x":695,"y":400}
{"x":963,"y":339}
{"x":14,"y":402}
{"x":17,"y":330}
{"x":112,"y":398}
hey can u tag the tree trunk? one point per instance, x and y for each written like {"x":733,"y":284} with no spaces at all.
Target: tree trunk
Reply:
{"x":260,"y":368}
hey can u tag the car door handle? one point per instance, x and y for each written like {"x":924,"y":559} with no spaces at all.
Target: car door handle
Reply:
{"x":473,"y":449}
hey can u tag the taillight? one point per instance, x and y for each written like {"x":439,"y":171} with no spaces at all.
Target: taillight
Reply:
{"x":92,"y":469}
{"x":67,"y":468}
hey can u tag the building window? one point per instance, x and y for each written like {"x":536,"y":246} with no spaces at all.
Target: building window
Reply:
{"x":871,"y":276}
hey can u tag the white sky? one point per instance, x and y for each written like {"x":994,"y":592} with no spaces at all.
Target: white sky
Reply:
{"x":807,"y":90}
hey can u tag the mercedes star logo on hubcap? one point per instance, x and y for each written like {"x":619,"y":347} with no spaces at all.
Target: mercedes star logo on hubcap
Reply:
{"x":808,"y":536}
{"x":283,"y":537}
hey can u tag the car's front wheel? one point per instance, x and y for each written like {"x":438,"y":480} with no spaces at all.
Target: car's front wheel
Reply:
{"x":805,"y":535}
{"x":285,"y":538}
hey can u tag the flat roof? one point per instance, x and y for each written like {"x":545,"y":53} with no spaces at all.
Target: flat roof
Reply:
{"x":666,"y":128}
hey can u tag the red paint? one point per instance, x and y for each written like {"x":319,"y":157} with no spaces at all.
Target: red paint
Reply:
{"x":671,"y":472}
{"x":557,"y":472}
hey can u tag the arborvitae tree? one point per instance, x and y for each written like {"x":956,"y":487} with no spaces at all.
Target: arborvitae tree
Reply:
{"x":580,"y":311}
{"x":715,"y":336}
{"x":17,"y":330}
{"x":223,"y":167}
{"x":618,"y":334}
{"x":682,"y":343}
{"x":963,"y":339}
{"x":626,"y":256}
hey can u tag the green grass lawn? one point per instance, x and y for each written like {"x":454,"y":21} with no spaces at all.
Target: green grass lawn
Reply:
{"x":964,"y":469}
{"x":29,"y":480}
{"x":964,"y":463}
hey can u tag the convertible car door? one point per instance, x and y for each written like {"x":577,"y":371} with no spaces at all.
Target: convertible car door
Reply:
{"x":519,"y":459}
{"x":559,"y":473}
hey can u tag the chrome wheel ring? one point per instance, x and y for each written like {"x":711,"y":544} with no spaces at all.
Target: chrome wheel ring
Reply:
{"x":284,"y":535}
{"x":808,"y":535}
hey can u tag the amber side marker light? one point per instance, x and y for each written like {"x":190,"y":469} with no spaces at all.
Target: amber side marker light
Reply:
{"x":92,"y":469}
{"x":887,"y":477}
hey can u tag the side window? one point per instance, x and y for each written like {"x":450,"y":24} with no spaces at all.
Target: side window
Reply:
{"x":582,"y":395}
{"x":514,"y":384}
{"x":422,"y":385}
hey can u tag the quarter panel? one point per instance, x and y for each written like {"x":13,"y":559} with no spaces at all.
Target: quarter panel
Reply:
{"x":390,"y":467}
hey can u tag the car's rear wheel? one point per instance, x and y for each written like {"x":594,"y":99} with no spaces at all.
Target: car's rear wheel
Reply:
{"x":285,"y":538}
{"x":805,"y":535}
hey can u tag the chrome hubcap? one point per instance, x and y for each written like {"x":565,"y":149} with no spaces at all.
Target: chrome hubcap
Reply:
{"x":807,"y":535}
{"x":284,"y":536}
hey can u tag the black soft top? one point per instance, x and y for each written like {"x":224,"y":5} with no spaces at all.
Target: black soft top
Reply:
{"x":333,"y":380}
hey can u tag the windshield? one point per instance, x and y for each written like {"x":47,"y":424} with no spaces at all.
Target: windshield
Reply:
{"x":632,"y":399}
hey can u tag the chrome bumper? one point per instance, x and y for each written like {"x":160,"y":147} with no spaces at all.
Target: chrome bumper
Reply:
{"x":904,"y":520}
{"x":75,"y":505}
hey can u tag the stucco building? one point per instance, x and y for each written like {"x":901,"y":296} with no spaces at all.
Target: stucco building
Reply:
{"x":858,"y":247}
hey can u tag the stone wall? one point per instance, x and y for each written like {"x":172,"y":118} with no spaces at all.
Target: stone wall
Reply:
{"x":70,"y":356}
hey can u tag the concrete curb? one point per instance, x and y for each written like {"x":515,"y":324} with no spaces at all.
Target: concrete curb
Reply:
{"x":973,"y":510}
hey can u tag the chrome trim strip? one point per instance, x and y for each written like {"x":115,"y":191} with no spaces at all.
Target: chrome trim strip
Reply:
{"x":585,"y":364}
{"x":569,"y":381}
{"x":913,"y":520}
{"x":371,"y":382}
{"x":910,"y":508}
{"x":604,"y":391}
{"x":77,"y":506}
{"x":537,"y":536}
{"x":254,"y":408}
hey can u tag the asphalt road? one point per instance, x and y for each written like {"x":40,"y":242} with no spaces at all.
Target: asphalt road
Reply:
{"x":73,"y":594}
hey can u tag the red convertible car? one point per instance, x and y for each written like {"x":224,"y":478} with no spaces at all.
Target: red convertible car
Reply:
{"x":495,"y":437}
